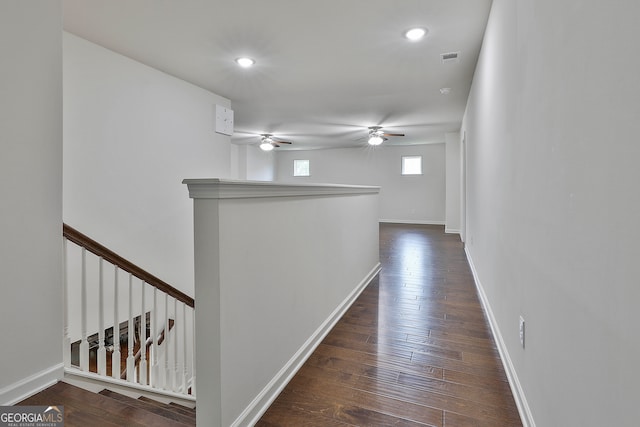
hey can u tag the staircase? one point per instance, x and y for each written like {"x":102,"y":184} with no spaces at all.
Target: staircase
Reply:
{"x":83,"y":408}
{"x":123,"y":326}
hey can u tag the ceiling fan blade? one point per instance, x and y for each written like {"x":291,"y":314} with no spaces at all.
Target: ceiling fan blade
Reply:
{"x":275,"y":144}
{"x":393,"y":134}
{"x":283,"y":142}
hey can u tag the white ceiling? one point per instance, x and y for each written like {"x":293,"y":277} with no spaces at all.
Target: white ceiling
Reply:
{"x":325,"y":71}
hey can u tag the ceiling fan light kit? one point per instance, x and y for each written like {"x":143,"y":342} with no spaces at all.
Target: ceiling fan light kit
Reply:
{"x":267,"y":143}
{"x":375,"y":140}
{"x":266,"y":146}
{"x":377,"y":136}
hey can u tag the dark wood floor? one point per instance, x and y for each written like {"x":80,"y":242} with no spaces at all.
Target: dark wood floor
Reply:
{"x":83,"y":408}
{"x":415,"y":349}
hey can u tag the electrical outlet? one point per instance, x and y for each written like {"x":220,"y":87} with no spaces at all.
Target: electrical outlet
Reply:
{"x":522,"y":331}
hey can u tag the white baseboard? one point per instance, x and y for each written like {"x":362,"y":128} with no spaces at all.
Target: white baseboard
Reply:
{"x":516,"y":388}
{"x":451,"y":231}
{"x":31,"y":385}
{"x":411,"y":221}
{"x":265,"y":398}
{"x":95,"y":383}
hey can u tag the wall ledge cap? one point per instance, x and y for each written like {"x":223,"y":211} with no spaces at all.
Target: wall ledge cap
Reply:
{"x":215,"y":188}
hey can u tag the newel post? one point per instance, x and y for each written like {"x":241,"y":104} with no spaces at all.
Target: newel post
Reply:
{"x":207,"y":324}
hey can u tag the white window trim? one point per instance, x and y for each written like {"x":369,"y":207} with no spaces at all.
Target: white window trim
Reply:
{"x":402,"y":172}
{"x":308,"y":166}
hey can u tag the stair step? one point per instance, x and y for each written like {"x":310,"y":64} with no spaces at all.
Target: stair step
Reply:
{"x":84,"y":408}
{"x":188,"y":412}
{"x":152,"y":406}
{"x":186,"y":409}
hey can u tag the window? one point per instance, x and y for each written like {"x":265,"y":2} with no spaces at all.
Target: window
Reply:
{"x":411,"y":165}
{"x":301,"y":168}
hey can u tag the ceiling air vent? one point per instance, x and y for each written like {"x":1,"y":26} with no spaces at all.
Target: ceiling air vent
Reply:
{"x":450,"y":57}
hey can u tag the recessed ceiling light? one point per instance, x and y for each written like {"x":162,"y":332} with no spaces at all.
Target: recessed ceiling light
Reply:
{"x":415,"y":34}
{"x":445,"y":90}
{"x":245,"y":62}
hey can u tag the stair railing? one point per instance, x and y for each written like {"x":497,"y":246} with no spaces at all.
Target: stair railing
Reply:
{"x":147,"y":313}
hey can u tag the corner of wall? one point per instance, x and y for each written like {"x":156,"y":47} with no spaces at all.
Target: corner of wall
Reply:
{"x":31,"y":385}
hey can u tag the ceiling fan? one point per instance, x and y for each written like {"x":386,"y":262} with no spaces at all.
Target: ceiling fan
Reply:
{"x":268,"y":143}
{"x":377,"y":136}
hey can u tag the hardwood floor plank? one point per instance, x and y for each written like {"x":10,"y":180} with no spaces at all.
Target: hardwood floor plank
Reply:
{"x":294,"y":416}
{"x":431,"y":398}
{"x":477,"y":380}
{"x":484,"y":411}
{"x":331,"y":391}
{"x":461,"y":366}
{"x":151,"y":406}
{"x":353,"y":367}
{"x":390,"y":346}
{"x":347,"y":413}
{"x":456,"y":420}
{"x":474,"y":392}
{"x":464,"y":346}
{"x":390,"y":363}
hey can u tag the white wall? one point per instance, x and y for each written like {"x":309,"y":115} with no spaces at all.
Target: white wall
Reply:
{"x":260,"y":164}
{"x":416,"y":199}
{"x":452,"y":222}
{"x":31,"y":194}
{"x":238,"y":162}
{"x":553,"y":202}
{"x":131,"y":134}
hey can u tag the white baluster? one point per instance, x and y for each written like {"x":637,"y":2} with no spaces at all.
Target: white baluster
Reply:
{"x":143,"y":339}
{"x":102,"y":352}
{"x":65,"y":278}
{"x":193,"y":352}
{"x":166,"y":375}
{"x":154,"y":342}
{"x":115,"y":356}
{"x":174,"y":375}
{"x":84,"y":343}
{"x":131,"y":360}
{"x":183,"y":379}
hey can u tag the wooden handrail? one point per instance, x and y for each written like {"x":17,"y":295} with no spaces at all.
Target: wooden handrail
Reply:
{"x":96,"y":248}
